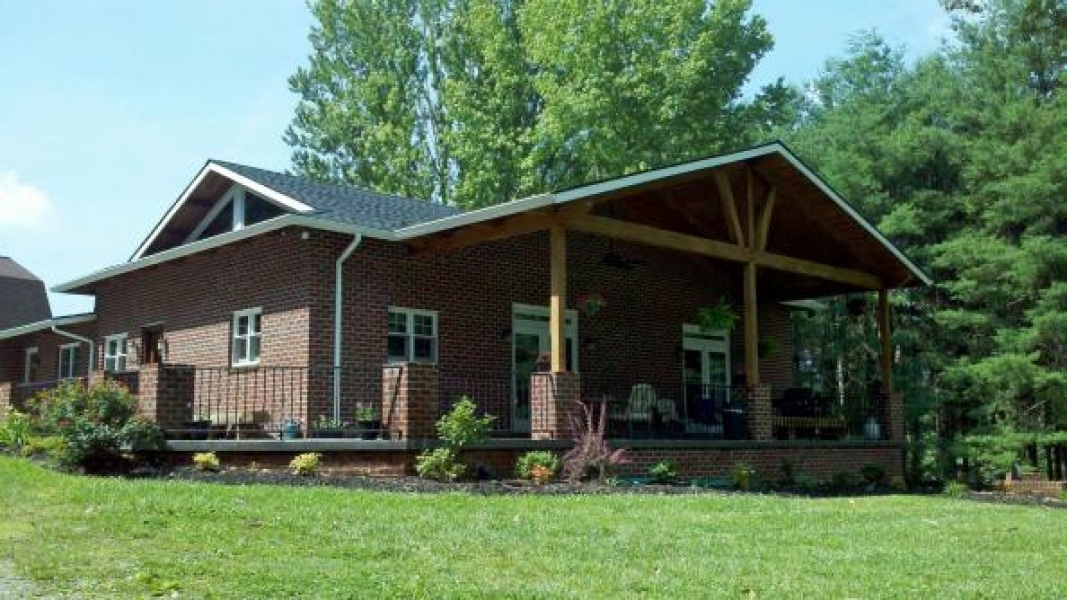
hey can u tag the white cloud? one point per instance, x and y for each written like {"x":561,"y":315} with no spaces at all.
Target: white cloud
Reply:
{"x":22,"y":206}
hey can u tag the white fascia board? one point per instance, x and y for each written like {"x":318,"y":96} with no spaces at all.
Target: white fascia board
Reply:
{"x":851,"y":212}
{"x":45,"y":325}
{"x":210,"y":167}
{"x":475,"y":216}
{"x":636,"y":179}
{"x":221,"y":240}
{"x":262,"y":190}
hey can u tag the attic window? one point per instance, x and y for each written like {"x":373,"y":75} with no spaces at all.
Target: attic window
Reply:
{"x":236,"y":210}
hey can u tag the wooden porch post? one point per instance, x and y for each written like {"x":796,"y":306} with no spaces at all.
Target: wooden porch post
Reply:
{"x":885,"y":359}
{"x":751,"y":327}
{"x":558,"y":303}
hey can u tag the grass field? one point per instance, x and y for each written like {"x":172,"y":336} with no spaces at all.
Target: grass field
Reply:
{"x":112,"y":538}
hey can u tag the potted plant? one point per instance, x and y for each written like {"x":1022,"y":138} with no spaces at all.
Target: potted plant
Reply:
{"x":370,"y":423}
{"x":291,"y":429}
{"x":717,"y":317}
{"x":591,"y":303}
{"x":327,"y":427}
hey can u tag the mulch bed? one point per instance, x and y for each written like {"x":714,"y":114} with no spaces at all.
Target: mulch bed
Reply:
{"x":1016,"y":498}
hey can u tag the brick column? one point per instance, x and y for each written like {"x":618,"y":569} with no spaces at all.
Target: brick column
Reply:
{"x":410,"y":399}
{"x":758,"y":407}
{"x":147,"y":391}
{"x":165,"y":394}
{"x":554,"y":401}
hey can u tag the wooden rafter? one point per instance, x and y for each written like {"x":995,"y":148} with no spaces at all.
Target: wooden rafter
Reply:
{"x":729,"y":207}
{"x":765,"y":219}
{"x":652,"y":236}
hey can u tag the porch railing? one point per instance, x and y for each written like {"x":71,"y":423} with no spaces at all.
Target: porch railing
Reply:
{"x":22,"y":393}
{"x":276,"y":401}
{"x":693,"y":411}
{"x":491,"y":392}
{"x":801,"y":413}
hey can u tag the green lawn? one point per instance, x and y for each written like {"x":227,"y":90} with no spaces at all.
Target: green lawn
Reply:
{"x":112,"y":538}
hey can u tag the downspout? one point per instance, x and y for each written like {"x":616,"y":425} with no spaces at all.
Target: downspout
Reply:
{"x":84,"y":340}
{"x":338,"y":301}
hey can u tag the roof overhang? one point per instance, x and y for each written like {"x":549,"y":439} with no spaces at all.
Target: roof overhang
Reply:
{"x":46,"y":325}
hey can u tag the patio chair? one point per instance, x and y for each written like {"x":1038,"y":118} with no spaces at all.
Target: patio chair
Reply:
{"x":641,"y":405}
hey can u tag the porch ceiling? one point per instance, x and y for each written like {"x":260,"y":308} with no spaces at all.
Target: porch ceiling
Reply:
{"x":808,"y":244}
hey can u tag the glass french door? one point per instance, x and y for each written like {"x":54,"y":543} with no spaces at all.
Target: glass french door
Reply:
{"x":705,"y":373}
{"x":530,"y":340}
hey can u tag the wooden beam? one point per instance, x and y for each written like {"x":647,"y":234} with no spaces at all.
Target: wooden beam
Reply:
{"x":885,"y":335}
{"x":661,"y":238}
{"x":751,"y":327}
{"x":482,"y":234}
{"x":558,"y":303}
{"x":765,"y":219}
{"x":729,"y":207}
{"x":750,"y":209}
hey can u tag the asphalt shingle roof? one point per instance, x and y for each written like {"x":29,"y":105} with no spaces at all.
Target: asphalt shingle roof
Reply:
{"x":346,"y":204}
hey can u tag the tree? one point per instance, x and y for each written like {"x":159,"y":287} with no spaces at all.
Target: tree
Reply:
{"x":475,"y":102}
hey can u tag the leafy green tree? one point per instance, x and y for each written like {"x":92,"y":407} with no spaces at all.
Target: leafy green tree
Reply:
{"x":475,"y":102}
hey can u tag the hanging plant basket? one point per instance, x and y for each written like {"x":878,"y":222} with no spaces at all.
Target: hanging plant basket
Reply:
{"x":718,"y":317}
{"x":591,"y":303}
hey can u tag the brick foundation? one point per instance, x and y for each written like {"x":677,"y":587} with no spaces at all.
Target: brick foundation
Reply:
{"x":554,"y":401}
{"x":410,"y":399}
{"x":760,"y":413}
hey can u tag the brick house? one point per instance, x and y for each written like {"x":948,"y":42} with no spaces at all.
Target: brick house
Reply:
{"x":264,"y":309}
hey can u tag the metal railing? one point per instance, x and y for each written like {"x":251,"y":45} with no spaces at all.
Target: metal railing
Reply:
{"x":22,"y":393}
{"x":271,"y":401}
{"x":680,"y":411}
{"x":491,"y":392}
{"x":801,"y":413}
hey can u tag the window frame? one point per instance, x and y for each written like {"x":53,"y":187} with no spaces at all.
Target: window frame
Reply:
{"x":73,"y":362}
{"x":35,"y":352}
{"x":410,"y":336}
{"x":246,"y":339}
{"x":122,"y":355}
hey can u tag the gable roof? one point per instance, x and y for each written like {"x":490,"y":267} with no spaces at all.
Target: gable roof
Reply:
{"x":394,"y":218}
{"x":22,"y":295}
{"x":346,"y":204}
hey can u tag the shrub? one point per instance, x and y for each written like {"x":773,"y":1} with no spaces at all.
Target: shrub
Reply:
{"x":305,"y":464}
{"x":459,"y":427}
{"x":842,"y":481}
{"x":663,"y":472}
{"x":789,"y":473}
{"x":742,"y":476}
{"x":806,"y":484}
{"x":53,"y":446}
{"x":591,"y":455}
{"x":955,"y":489}
{"x":545,"y":463}
{"x":439,"y":464}
{"x":206,"y":461}
{"x":873,"y":473}
{"x":898,"y":484}
{"x":15,"y":429}
{"x":98,"y":425}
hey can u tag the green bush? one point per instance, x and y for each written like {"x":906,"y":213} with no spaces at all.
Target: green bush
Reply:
{"x":15,"y":430}
{"x":459,"y":428}
{"x":206,"y":461}
{"x":439,"y":464}
{"x":873,"y":474}
{"x":305,"y":464}
{"x":842,"y":481}
{"x":664,"y":472}
{"x":955,"y":489}
{"x":462,"y":426}
{"x":742,"y":476}
{"x":98,"y":424}
{"x":53,"y":446}
{"x":540,"y":465}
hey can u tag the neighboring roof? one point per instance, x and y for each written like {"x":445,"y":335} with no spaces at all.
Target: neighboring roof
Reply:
{"x":394,"y":218}
{"x":9,"y":269}
{"x":46,"y":324}
{"x":347,"y":204}
{"x":23,"y":298}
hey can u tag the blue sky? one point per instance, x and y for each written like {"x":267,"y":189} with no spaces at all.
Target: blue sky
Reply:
{"x":109,"y":108}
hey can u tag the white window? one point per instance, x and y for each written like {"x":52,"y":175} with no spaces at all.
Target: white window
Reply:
{"x":412,"y":335}
{"x":115,"y":353}
{"x":68,"y":360}
{"x":247,"y":325}
{"x":33,"y":365}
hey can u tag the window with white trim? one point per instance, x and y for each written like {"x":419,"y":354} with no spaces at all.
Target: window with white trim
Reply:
{"x":247,"y":328}
{"x":412,"y":335}
{"x":115,"y":352}
{"x":68,"y":360}
{"x":32,"y":368}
